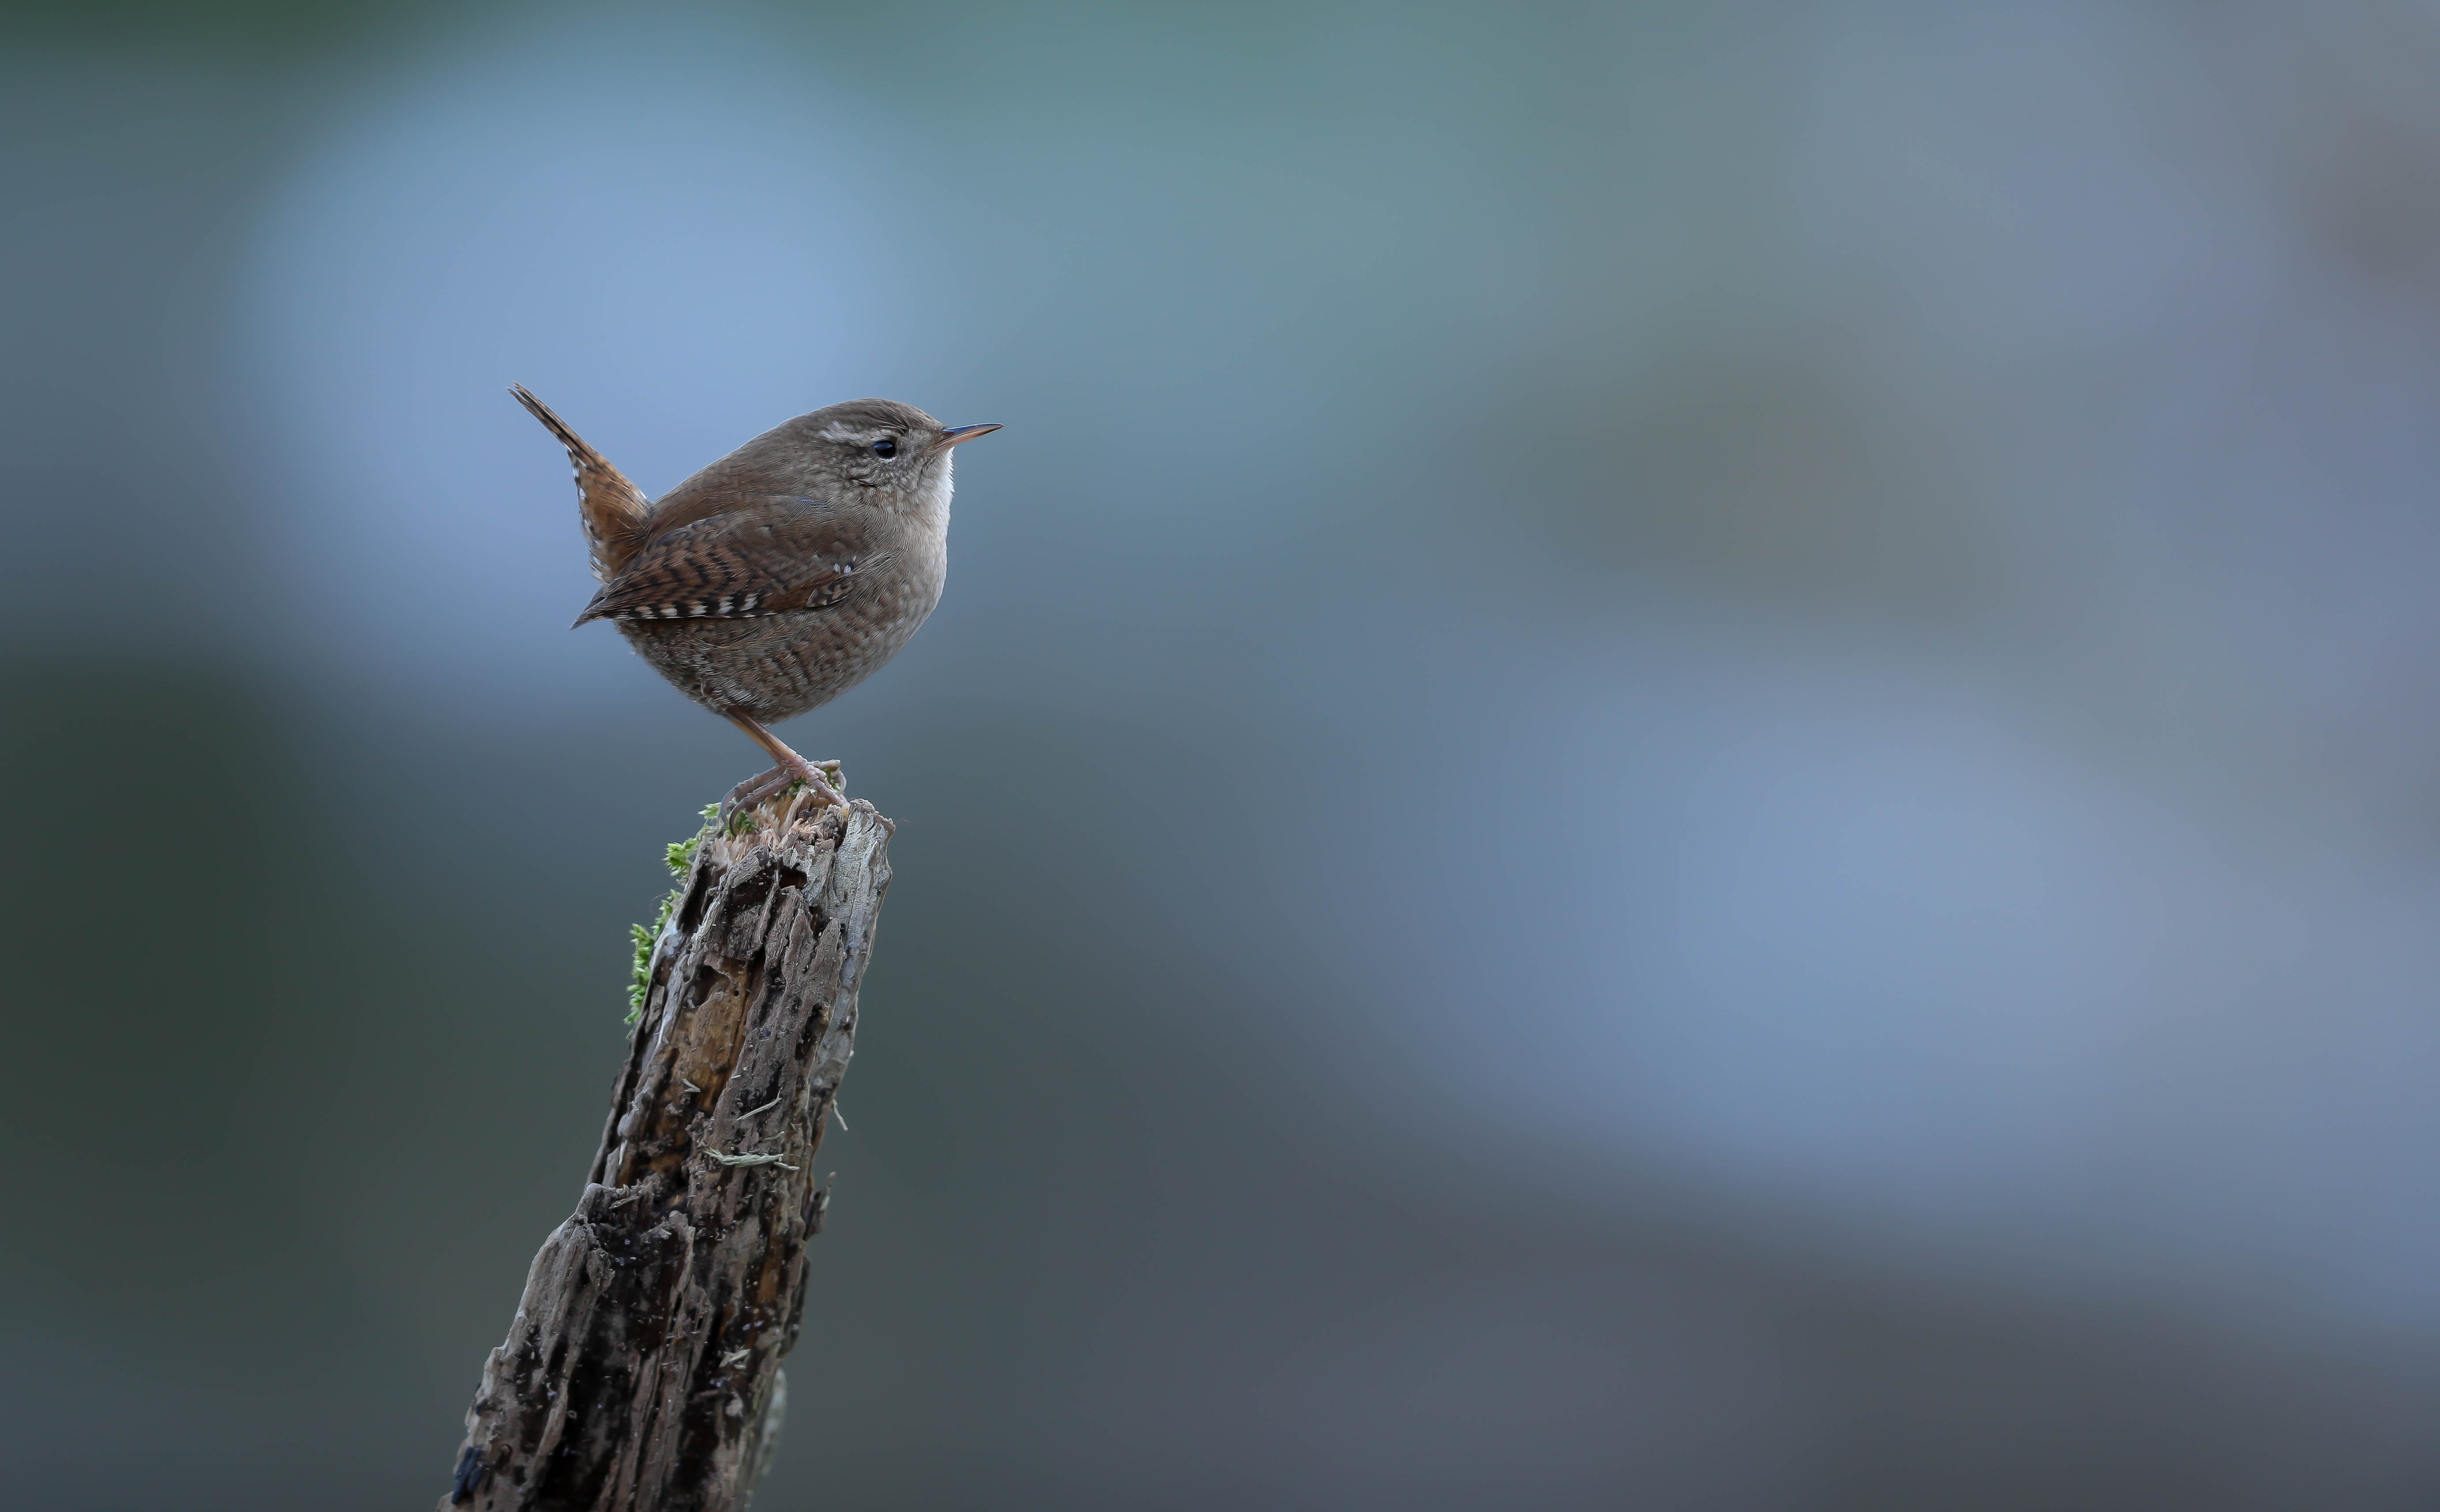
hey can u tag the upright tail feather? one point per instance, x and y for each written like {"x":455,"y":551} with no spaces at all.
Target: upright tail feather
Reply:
{"x":612,"y":508}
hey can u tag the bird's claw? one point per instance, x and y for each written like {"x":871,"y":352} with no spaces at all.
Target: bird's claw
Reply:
{"x":778,"y":780}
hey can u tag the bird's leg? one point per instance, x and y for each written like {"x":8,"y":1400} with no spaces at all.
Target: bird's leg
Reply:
{"x":792,"y":768}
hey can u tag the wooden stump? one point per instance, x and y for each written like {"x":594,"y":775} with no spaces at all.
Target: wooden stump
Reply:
{"x":641,"y":1373}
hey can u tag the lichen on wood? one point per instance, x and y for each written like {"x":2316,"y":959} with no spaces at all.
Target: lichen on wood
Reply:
{"x":642,"y":1368}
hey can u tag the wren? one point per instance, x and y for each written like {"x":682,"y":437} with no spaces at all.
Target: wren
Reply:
{"x":780,"y":575}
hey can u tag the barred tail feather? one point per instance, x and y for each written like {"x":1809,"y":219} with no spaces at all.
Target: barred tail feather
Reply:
{"x":612,"y":510}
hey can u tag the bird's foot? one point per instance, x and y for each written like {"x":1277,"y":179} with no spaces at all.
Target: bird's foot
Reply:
{"x":778,"y":780}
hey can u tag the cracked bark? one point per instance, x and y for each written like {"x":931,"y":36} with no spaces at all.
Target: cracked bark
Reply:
{"x":642,"y":1372}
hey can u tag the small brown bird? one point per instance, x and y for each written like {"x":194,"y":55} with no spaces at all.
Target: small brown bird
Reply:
{"x":784,"y":574}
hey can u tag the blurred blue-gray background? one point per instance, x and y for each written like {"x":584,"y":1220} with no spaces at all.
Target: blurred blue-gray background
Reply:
{"x":1684,"y":755}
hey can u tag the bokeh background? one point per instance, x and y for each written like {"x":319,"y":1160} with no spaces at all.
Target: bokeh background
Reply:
{"x":1684,"y":755}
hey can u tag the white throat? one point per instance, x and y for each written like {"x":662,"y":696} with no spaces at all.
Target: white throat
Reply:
{"x":939,"y":484}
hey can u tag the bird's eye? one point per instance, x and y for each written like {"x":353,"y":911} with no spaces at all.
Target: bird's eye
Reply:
{"x":885,"y":447}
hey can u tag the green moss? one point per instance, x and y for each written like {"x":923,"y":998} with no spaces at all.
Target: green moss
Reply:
{"x":679,"y":856}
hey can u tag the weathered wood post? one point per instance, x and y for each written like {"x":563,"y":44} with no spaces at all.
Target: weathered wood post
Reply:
{"x":641,"y":1373}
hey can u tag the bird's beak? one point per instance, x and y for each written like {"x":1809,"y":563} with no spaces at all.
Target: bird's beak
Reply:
{"x":963,"y":433}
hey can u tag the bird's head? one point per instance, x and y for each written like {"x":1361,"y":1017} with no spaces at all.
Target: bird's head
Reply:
{"x":885,"y":453}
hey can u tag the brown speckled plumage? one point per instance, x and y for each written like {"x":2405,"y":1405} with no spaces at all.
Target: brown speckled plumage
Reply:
{"x":784,"y":574}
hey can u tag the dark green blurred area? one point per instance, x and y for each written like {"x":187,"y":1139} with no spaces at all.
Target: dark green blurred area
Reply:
{"x":1386,"y":389}
{"x":270,"y":28}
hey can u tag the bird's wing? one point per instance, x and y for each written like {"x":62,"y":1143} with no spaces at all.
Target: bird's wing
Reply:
{"x":760,"y":556}
{"x":612,"y":508}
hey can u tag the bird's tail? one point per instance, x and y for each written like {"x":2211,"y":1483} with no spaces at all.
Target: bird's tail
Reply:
{"x":612,"y":508}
